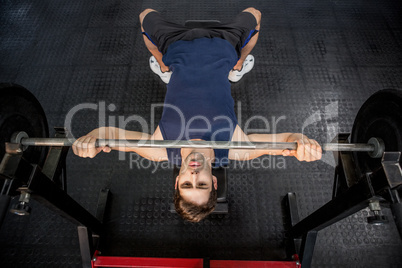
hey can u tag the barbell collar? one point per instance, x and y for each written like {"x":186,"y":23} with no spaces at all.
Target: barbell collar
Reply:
{"x":351,"y":147}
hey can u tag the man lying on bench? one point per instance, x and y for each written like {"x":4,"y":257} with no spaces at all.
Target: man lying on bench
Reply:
{"x":197,"y":65}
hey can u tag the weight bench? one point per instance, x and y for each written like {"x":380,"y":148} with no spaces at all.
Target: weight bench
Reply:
{"x":201,"y":23}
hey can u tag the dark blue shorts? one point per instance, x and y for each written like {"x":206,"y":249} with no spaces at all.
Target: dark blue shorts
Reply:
{"x":162,"y":33}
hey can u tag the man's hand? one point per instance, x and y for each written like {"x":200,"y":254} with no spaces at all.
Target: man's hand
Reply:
{"x":85,"y":147}
{"x":307,"y":149}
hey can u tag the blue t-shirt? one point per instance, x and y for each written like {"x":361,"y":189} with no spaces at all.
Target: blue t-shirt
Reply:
{"x":198,"y":102}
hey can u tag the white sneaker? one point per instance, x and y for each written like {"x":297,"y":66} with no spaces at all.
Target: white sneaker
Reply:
{"x":156,"y":68}
{"x":248,"y":64}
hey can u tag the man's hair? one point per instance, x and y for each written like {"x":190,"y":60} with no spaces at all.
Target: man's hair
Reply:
{"x":192,"y":212}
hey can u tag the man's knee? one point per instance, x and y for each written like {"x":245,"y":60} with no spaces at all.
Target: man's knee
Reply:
{"x":255,"y":12}
{"x":144,"y":13}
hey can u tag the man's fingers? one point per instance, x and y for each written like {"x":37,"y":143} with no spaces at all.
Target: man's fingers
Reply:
{"x":78,"y":146}
{"x":86,"y":143}
{"x":318,"y":150}
{"x":85,"y":147}
{"x":300,"y":150}
{"x":310,"y":151}
{"x":107,"y":149}
{"x":313,"y":154}
{"x":307,"y":150}
{"x":313,"y":151}
{"x":92,"y":149}
{"x":74,"y":147}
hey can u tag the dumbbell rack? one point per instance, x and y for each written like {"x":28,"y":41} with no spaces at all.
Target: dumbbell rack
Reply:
{"x":351,"y":193}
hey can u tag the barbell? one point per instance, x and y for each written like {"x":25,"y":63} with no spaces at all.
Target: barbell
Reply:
{"x":377,"y":128}
{"x":375,"y":146}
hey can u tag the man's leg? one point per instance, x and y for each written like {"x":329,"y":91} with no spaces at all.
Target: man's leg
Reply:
{"x":151,"y":47}
{"x":250,"y":45}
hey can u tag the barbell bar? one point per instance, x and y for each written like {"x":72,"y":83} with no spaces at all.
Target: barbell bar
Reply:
{"x":374,"y":146}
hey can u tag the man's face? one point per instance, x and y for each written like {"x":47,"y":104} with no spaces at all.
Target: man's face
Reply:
{"x":195,"y":179}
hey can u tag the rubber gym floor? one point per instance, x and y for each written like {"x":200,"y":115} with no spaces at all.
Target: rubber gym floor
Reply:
{"x":316,"y":62}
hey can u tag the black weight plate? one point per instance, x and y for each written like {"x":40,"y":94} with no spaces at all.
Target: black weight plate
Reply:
{"x":21,"y":111}
{"x":381,"y":117}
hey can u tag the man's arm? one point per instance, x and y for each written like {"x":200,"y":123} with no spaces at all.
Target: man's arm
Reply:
{"x":85,"y":145}
{"x":307,"y":149}
{"x":151,"y":47}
